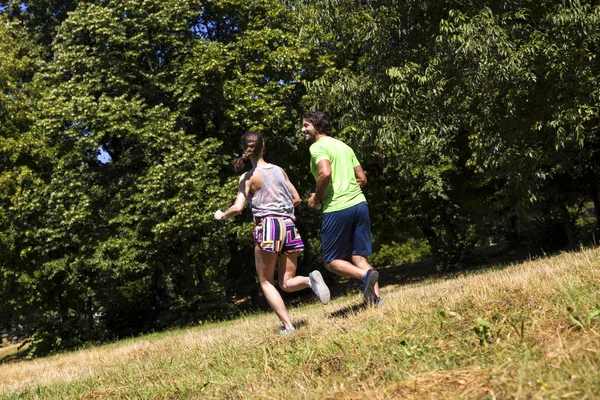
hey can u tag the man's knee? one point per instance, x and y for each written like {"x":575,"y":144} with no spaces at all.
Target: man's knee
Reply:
{"x":361,"y":262}
{"x":328,"y":266}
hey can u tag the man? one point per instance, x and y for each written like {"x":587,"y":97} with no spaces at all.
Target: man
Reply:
{"x":346,"y":227}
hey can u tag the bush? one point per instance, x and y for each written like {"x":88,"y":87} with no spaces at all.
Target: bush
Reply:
{"x":391,"y":254}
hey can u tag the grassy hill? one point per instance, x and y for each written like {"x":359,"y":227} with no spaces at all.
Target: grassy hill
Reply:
{"x":528,"y":330}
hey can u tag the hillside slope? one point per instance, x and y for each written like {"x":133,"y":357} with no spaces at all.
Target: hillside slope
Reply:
{"x":529,"y":330}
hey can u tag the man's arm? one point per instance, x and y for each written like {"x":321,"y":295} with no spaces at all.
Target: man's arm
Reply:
{"x":323,"y":181}
{"x":361,"y":178}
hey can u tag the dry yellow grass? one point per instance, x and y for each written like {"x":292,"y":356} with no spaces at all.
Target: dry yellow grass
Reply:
{"x":8,"y":350}
{"x":422,"y":344}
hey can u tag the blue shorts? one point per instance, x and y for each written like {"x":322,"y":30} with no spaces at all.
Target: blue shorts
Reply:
{"x":346,"y":232}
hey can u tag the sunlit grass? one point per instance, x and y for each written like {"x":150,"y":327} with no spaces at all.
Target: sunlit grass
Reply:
{"x":524,"y":331}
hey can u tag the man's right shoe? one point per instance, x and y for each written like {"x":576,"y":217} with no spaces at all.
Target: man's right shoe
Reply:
{"x":378,"y":302}
{"x":370,"y":279}
{"x":318,"y":286}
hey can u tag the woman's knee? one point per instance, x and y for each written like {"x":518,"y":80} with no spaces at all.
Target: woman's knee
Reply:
{"x":266,"y":282}
{"x":284,"y":286}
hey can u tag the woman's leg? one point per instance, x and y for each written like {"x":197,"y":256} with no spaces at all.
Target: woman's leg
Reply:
{"x":288,"y":281}
{"x":265,"y":269}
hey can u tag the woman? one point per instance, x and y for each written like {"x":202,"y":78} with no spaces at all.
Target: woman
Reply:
{"x":272,"y":199}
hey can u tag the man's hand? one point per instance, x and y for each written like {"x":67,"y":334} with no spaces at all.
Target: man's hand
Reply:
{"x":312,"y":202}
{"x":219,"y":215}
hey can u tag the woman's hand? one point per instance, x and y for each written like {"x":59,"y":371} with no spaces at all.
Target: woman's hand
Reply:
{"x":219,"y":215}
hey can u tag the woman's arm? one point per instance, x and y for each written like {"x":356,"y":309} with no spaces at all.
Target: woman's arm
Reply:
{"x":295,"y":196}
{"x":240,"y":201}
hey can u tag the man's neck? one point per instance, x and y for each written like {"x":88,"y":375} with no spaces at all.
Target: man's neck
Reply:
{"x":319,"y":136}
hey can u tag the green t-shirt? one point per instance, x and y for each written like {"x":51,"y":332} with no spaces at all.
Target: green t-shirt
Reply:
{"x":343,"y":191}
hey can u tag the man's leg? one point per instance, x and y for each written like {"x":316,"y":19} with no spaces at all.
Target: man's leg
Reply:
{"x":345,"y":268}
{"x":362,"y":263}
{"x":345,"y":232}
{"x":362,"y":246}
{"x":350,"y":270}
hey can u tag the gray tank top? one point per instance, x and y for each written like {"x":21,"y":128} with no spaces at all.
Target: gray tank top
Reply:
{"x":274,"y":198}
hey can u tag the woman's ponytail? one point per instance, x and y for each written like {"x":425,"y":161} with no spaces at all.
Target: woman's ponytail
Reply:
{"x":251,"y":143}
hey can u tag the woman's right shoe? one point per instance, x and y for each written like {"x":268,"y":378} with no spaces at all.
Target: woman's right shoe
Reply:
{"x":318,"y":286}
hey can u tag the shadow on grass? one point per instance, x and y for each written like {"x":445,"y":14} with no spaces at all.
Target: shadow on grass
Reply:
{"x":13,"y":352}
{"x":347,"y":311}
{"x":399,"y":275}
{"x":300,"y":323}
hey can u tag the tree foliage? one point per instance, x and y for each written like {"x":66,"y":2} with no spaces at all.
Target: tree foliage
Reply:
{"x":479,"y":113}
{"x":476,"y":122}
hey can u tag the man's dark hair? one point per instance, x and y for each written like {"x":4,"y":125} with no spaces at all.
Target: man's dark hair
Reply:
{"x":319,"y":120}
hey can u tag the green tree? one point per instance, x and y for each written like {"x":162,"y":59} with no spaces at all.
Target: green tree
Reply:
{"x":140,"y":109}
{"x":22,"y":159}
{"x":474,"y":110}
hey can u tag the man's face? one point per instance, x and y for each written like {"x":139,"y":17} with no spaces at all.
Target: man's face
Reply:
{"x":309,"y":131}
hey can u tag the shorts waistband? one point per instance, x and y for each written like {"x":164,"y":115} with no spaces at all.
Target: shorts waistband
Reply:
{"x":258,"y":220}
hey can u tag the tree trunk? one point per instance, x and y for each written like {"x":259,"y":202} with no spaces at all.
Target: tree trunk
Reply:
{"x":448,"y":228}
{"x":160,"y":287}
{"x":596,"y":200}
{"x":188,"y":274}
{"x":569,"y":230}
{"x":307,"y":253}
{"x":514,"y":229}
{"x":429,"y":233}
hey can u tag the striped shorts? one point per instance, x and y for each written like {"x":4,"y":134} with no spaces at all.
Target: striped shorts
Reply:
{"x":277,"y":235}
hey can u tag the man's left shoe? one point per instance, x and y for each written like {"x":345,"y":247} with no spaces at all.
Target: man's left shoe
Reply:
{"x":371,"y":278}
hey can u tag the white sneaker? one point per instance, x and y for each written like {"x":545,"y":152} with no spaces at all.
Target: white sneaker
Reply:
{"x":318,"y":286}
{"x":288,"y":331}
